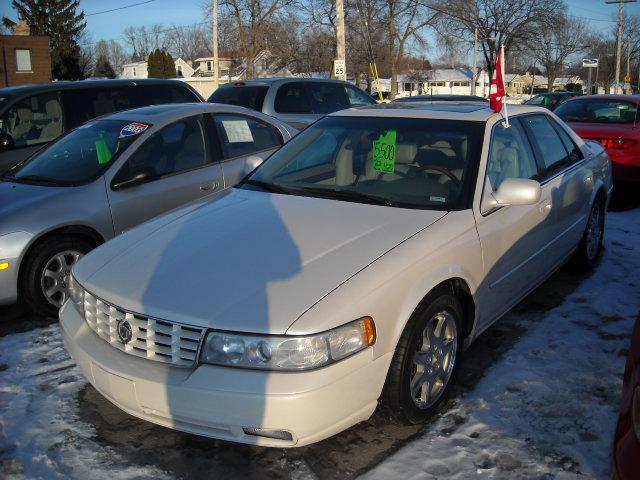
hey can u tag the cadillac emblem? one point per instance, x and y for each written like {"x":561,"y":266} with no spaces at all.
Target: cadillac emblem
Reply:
{"x":125,"y":333}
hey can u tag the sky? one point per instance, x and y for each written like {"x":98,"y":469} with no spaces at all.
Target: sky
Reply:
{"x":103,"y":24}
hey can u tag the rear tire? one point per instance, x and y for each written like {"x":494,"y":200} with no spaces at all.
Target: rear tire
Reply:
{"x":44,"y":282}
{"x":590,"y":246}
{"x":425,"y":360}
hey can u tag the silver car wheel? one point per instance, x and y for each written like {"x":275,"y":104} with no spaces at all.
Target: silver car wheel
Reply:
{"x":434,"y":359}
{"x":56,"y":276}
{"x":594,"y":232}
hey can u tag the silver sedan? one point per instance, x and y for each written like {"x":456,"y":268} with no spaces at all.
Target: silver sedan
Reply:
{"x":111,"y":174}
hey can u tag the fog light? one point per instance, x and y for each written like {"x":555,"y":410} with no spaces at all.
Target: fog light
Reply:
{"x":265,"y":432}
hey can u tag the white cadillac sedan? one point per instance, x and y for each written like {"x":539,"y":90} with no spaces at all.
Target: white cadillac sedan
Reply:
{"x":352,"y":268}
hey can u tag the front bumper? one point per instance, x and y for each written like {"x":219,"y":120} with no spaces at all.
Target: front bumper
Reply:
{"x":218,"y":402}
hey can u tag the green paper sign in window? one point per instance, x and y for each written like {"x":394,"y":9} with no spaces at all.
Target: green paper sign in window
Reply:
{"x":102,"y":151}
{"x":384,"y":152}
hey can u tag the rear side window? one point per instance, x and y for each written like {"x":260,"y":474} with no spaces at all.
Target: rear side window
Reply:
{"x":552,"y":150}
{"x":241,"y":135}
{"x":292,"y":98}
{"x":328,"y":97}
{"x":244,"y":96}
{"x":161,"y":94}
{"x":87,"y":103}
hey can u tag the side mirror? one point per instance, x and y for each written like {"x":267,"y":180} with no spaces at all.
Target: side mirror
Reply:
{"x":515,"y":191}
{"x":121,"y":182}
{"x":251,"y":163}
{"x":6,"y":142}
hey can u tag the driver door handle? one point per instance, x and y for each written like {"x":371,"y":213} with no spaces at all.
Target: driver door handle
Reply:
{"x":209,"y":186}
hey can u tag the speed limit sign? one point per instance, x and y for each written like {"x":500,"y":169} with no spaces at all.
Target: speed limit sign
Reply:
{"x":339,"y":68}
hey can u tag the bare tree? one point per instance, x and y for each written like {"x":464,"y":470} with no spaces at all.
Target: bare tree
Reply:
{"x":499,"y":22}
{"x":189,"y":43}
{"x":141,"y":41}
{"x":113,"y":51}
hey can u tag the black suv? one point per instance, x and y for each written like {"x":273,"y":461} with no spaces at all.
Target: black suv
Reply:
{"x":33,"y":115}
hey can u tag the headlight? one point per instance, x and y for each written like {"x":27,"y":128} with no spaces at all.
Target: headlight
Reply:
{"x":76,"y":294}
{"x":269,"y":352}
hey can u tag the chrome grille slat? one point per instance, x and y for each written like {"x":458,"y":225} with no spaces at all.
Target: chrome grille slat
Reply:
{"x":156,"y":340}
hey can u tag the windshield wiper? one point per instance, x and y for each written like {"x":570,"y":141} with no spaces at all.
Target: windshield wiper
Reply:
{"x":269,"y":187}
{"x":36,"y":179}
{"x":351,"y":195}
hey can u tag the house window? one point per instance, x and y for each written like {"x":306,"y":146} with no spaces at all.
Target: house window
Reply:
{"x":459,"y":84}
{"x":209,"y":66}
{"x":23,"y":60}
{"x":408,"y":87}
{"x":179,"y":71}
{"x":134,"y":71}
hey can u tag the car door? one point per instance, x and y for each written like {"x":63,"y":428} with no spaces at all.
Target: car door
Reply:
{"x":292,"y":105}
{"x":514,"y":238}
{"x":29,"y":124}
{"x":245,"y":142}
{"x":178,"y":166}
{"x":566,"y":176}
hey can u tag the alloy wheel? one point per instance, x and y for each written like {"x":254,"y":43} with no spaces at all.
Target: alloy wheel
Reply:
{"x":56,"y":276}
{"x":433,"y":360}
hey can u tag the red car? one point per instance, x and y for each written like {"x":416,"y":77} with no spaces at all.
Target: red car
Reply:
{"x":613,"y":121}
{"x":626,"y":445}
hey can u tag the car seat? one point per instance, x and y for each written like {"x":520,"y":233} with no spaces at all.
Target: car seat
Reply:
{"x":54,"y":128}
{"x":24,"y":124}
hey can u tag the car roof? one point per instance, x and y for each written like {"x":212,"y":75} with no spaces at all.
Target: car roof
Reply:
{"x":270,"y":81}
{"x":441,"y":97}
{"x":72,"y":85}
{"x":627,"y":98}
{"x":475,"y":112}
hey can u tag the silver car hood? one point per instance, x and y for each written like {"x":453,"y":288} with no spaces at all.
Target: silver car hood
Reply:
{"x":15,"y":196}
{"x":250,"y":261}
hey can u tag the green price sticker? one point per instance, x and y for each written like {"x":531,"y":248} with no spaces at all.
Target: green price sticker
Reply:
{"x":384,"y":152}
{"x":102,"y":151}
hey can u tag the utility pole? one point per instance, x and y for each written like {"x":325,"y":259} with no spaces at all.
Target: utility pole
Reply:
{"x":341,"y":51}
{"x":628,"y":76}
{"x":475,"y":61}
{"x":216,"y":60}
{"x":620,"y":4}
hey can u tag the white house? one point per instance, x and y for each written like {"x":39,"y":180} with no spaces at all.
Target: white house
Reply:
{"x":139,"y":69}
{"x":449,"y":81}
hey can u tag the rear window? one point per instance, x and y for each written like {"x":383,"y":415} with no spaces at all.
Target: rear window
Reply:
{"x":245,"y":96}
{"x":597,"y":111}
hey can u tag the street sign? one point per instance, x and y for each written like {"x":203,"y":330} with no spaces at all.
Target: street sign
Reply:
{"x":339,"y":68}
{"x":627,"y":78}
{"x":590,"y":62}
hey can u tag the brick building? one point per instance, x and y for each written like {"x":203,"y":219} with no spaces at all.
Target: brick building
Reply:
{"x":24,"y":59}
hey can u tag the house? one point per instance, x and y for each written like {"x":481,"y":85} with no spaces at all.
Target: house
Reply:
{"x":449,"y":81}
{"x":24,"y":59}
{"x":139,"y":69}
{"x":204,"y":67}
{"x":265,"y":64}
{"x":515,"y":84}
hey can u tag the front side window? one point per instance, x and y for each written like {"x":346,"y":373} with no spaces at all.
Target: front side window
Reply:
{"x":398,"y":162}
{"x":328,"y":97}
{"x":510,"y":155}
{"x":357,"y":98}
{"x":554,"y":155}
{"x":34,"y":120}
{"x":597,"y":111}
{"x":23,"y":60}
{"x":241,"y":135}
{"x":80,"y":156}
{"x":175,"y":148}
{"x":292,"y":98}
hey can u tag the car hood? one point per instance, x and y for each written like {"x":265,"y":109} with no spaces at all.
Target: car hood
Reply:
{"x":16,"y":196}
{"x":251,"y":261}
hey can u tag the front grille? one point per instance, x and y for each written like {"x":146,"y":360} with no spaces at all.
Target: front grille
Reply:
{"x":157,"y":340}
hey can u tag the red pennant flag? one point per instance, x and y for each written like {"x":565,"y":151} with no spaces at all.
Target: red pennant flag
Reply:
{"x":497,"y":91}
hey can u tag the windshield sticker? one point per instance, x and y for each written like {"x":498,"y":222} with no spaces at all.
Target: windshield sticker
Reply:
{"x":384,"y":152}
{"x":237,"y":131}
{"x":133,"y":129}
{"x":437,"y":199}
{"x":102,"y":151}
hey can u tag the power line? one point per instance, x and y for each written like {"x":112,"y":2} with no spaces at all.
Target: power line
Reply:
{"x":118,"y":8}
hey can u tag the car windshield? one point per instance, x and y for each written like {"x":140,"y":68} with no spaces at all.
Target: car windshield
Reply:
{"x":402,"y":162}
{"x":597,"y":111}
{"x":243,"y":96}
{"x":80,"y":156}
{"x":544,"y":100}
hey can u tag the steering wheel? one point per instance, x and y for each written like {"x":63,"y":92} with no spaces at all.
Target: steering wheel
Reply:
{"x":439,"y":169}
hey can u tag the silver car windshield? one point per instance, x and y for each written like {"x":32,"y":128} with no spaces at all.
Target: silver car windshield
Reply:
{"x":403,"y":162}
{"x":81,"y":156}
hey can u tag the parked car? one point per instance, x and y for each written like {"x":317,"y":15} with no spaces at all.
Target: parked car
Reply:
{"x":296,"y":101}
{"x":612,"y":121}
{"x":113,"y":173}
{"x":551,"y":100}
{"x":354,"y":265}
{"x":626,"y":445}
{"x":33,"y":115}
{"x":441,"y":98}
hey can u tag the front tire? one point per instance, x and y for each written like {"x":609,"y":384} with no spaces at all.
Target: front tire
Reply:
{"x":425,"y":359}
{"x":590,"y":246}
{"x":44,"y":286}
